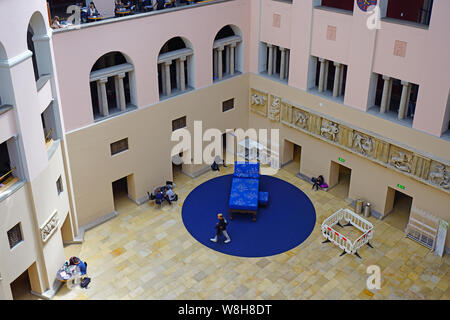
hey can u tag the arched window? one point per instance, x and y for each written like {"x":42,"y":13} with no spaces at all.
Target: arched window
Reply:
{"x":227,"y":53}
{"x":111,"y":83}
{"x":175,"y":67}
{"x":38,"y":44}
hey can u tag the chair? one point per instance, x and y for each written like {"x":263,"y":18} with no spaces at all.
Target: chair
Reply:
{"x":263,"y":198}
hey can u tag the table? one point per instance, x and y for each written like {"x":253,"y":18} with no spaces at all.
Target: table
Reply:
{"x":123,"y":12}
{"x":95,"y":18}
{"x":69,"y":274}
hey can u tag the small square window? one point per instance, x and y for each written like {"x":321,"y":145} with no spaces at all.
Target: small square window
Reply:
{"x":59,"y":185}
{"x":15,"y":236}
{"x":119,"y":146}
{"x":179,"y":123}
{"x":227,"y":105}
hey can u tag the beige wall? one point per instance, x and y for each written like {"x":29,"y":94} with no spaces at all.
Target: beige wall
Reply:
{"x":148,"y":131}
{"x":13,"y":262}
{"x":46,"y":204}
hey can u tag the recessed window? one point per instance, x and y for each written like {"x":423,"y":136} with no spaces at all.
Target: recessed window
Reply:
{"x":15,"y":236}
{"x":179,"y":123}
{"x":227,"y":105}
{"x":59,"y":185}
{"x":119,"y":146}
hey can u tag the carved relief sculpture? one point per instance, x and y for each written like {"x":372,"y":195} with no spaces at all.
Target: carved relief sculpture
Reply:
{"x":362,"y":143}
{"x":329,"y":130}
{"x":300,"y":119}
{"x":48,"y":229}
{"x":440,"y":176}
{"x":401,"y":160}
{"x":274,"y":109}
{"x":258,"y":100}
{"x":432,"y":172}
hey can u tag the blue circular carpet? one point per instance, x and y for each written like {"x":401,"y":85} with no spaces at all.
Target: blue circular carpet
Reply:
{"x":285,"y":223}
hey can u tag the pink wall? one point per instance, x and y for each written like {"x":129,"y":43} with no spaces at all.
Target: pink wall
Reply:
{"x":7,"y":126}
{"x":334,"y":50}
{"x":385,"y":62}
{"x":280,"y":36}
{"x":435,"y":75}
{"x":144,"y":38}
{"x":364,"y":51}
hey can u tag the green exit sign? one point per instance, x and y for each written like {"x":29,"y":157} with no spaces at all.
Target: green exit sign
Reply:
{"x":401,"y":187}
{"x":341,"y":159}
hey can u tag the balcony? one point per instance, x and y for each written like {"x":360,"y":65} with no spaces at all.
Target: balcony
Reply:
{"x":10,"y":175}
{"x":132,"y":9}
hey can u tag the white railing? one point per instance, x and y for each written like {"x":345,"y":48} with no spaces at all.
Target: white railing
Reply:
{"x":340,"y":240}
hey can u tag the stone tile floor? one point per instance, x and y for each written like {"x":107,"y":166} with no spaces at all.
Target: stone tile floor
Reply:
{"x":146,"y":253}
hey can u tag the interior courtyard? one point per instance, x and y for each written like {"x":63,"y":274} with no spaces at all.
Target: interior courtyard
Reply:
{"x":147,"y":253}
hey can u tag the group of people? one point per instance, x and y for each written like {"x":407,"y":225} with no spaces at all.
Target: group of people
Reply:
{"x":120,"y":5}
{"x":164,"y":193}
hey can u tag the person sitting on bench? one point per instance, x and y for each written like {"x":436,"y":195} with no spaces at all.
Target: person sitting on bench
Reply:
{"x":170,"y":196}
{"x":215,"y":166}
{"x":317,"y":182}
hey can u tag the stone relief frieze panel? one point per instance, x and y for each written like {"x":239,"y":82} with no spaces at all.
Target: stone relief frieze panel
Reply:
{"x":415,"y":165}
{"x":300,"y":118}
{"x":329,"y":129}
{"x":274,"y":108}
{"x":363,"y":143}
{"x":401,"y":159}
{"x":49,"y":227}
{"x":439,"y":175}
{"x":258,"y":102}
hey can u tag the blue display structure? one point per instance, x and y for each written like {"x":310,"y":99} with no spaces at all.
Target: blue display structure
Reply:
{"x":364,"y":5}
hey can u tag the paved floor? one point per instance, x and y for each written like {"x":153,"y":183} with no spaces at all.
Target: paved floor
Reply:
{"x":146,"y":253}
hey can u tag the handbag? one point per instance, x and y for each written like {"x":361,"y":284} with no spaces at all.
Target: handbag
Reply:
{"x":84,"y":283}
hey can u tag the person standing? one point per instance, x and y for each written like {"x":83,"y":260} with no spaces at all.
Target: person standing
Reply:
{"x":221,"y":228}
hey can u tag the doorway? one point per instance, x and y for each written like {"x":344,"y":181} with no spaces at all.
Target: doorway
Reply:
{"x":25,"y":283}
{"x":397,"y":209}
{"x":177,"y":168}
{"x":339,"y":182}
{"x":121,"y":191}
{"x":292,"y":157}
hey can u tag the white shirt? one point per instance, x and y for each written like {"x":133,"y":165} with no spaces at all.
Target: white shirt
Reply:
{"x":170,"y":194}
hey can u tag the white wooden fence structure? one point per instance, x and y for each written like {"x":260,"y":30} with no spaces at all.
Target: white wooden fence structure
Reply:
{"x":340,"y":240}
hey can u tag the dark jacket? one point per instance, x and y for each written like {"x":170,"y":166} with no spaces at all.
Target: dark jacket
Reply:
{"x":221,"y":225}
{"x":160,"y":5}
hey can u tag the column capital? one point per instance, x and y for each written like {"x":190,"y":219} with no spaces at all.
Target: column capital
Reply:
{"x":321,"y":60}
{"x":282,"y":49}
{"x":337,"y":64}
{"x":220,"y":48}
{"x":121,"y":75}
{"x":269,"y":45}
{"x":405,"y":83}
{"x":168,"y":63}
{"x":103,"y":80}
{"x":183,"y":58}
{"x":386,"y":78}
{"x":233,"y":44}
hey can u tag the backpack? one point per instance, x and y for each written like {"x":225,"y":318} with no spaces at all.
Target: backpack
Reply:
{"x":84,"y":283}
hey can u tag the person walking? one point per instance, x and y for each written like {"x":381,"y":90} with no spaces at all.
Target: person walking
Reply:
{"x":221,"y":228}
